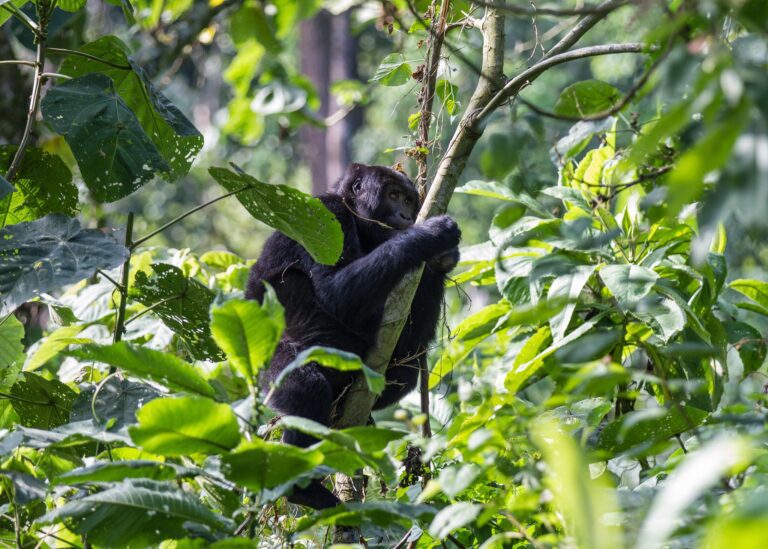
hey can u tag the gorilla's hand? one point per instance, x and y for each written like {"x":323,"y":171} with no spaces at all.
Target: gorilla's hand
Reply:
{"x":444,"y":263}
{"x":442,"y":232}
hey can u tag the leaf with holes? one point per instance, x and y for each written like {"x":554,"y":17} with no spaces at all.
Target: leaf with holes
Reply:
{"x":182,"y":304}
{"x":42,"y":403}
{"x":43,"y":255}
{"x":177,"y":140}
{"x":43,"y":186}
{"x":114,"y":153}
{"x":297,"y":215}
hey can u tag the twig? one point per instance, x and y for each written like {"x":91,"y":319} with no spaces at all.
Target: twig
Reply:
{"x":34,"y":99}
{"x":434,"y":51}
{"x":152,"y":307}
{"x":616,"y":107}
{"x":527,"y":76}
{"x":65,"y":51}
{"x":134,"y":244}
{"x":553,"y":12}
{"x":112,"y":280}
{"x":55,"y":75}
{"x":455,"y":541}
{"x":22,"y":17}
{"x":17,"y":62}
{"x":583,"y":26}
{"x":120,"y":321}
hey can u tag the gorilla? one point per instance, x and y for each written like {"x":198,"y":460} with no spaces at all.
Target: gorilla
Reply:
{"x":341,"y":305}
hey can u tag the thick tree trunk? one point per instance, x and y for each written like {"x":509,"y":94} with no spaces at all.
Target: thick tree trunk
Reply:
{"x":328,"y":54}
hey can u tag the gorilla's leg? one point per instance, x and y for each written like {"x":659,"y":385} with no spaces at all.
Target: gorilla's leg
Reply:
{"x":306,"y":393}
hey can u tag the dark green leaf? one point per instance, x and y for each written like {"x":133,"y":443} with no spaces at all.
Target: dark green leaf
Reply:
{"x":749,"y":343}
{"x":109,"y":471}
{"x":301,"y":217}
{"x":5,"y":187}
{"x":115,"y":404}
{"x":11,"y":351}
{"x":135,"y":513}
{"x":185,"y":425}
{"x":177,"y":140}
{"x":182,"y":303}
{"x":46,"y":254}
{"x":26,"y":488}
{"x":338,"y":360}
{"x":114,"y":154}
{"x":40,"y":402}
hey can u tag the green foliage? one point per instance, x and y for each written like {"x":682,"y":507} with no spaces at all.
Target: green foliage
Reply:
{"x":606,"y":389}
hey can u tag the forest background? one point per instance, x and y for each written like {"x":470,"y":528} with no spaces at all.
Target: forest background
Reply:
{"x":599,"y":379}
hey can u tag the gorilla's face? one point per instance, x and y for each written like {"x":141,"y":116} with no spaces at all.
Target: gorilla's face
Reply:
{"x":384,"y":195}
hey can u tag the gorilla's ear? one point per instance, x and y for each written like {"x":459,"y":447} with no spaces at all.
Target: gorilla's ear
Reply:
{"x":352,"y":179}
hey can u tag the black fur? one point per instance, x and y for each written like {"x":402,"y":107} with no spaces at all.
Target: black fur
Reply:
{"x":341,"y":306}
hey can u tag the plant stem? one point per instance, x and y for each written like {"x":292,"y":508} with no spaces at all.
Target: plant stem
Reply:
{"x":22,"y":17}
{"x":65,"y":51}
{"x":120,"y":321}
{"x":152,"y":307}
{"x":133,"y":245}
{"x":34,"y":100}
{"x":17,"y":62}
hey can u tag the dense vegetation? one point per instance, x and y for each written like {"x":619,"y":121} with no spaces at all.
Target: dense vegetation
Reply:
{"x":601,"y":379}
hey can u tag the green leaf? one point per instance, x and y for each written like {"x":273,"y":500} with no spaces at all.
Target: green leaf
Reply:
{"x":259,"y":465}
{"x":298,"y":216}
{"x":52,"y":345}
{"x":756,"y":290}
{"x":135,"y":513}
{"x":639,"y":431}
{"x":114,"y":154}
{"x":11,"y":350}
{"x":26,"y":488}
{"x":43,"y":186}
{"x":393,"y":71}
{"x":567,"y":287}
{"x":453,"y":517}
{"x":337,"y":360}
{"x":490,"y":189}
{"x":248,"y":333}
{"x":115,"y":404}
{"x":699,"y":472}
{"x":71,"y":5}
{"x":109,"y":471}
{"x":448,"y":95}
{"x":144,"y":363}
{"x":221,"y":260}
{"x":182,"y":304}
{"x":5,"y":187}
{"x":185,"y":425}
{"x":663,"y":314}
{"x":5,"y":14}
{"x":176,"y":139}
{"x":586,"y":98}
{"x":748,"y":342}
{"x":40,"y":256}
{"x":585,"y":503}
{"x":42,"y":403}
{"x":628,"y":283}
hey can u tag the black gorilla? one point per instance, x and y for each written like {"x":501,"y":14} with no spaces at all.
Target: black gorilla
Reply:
{"x":341,"y":306}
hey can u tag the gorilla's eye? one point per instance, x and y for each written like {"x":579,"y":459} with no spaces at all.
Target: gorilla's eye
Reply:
{"x":393,"y":195}
{"x":408,"y":201}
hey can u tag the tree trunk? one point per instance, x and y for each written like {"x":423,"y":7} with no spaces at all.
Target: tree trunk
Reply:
{"x":328,"y":53}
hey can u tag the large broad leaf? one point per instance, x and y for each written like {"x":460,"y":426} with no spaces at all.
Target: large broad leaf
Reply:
{"x":587,"y":97}
{"x":248,"y":332}
{"x":393,"y":71}
{"x":756,"y":290}
{"x":43,"y":186}
{"x":11,"y":350}
{"x":640,"y":430}
{"x":182,"y":303}
{"x":259,"y":465}
{"x":453,"y":517}
{"x":628,"y":283}
{"x":301,"y":217}
{"x":135,"y":513}
{"x":144,"y":363}
{"x":42,"y":403}
{"x":584,"y":502}
{"x":114,"y":153}
{"x":186,"y":425}
{"x":177,"y":140}
{"x":50,"y":346}
{"x":567,"y":286}
{"x":109,"y":471}
{"x":42,"y":255}
{"x":115,"y":403}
